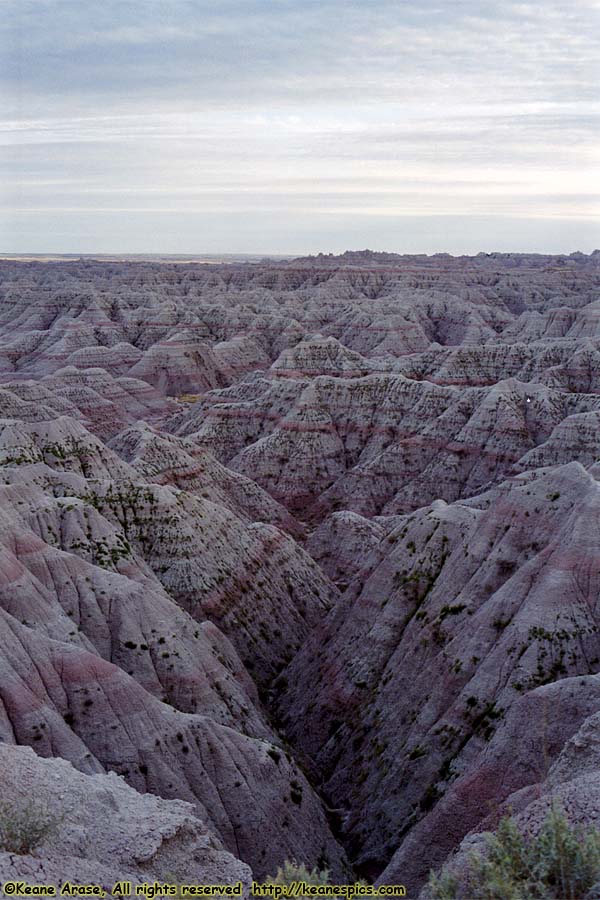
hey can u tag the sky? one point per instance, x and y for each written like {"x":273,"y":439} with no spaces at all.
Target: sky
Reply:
{"x":299,"y":126}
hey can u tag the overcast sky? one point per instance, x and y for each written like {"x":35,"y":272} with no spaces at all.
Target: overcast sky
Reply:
{"x":292,"y":126}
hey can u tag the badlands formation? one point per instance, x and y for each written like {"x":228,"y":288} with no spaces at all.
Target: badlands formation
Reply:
{"x":298,"y":560}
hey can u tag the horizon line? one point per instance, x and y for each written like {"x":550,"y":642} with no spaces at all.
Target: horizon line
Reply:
{"x":75,"y":254}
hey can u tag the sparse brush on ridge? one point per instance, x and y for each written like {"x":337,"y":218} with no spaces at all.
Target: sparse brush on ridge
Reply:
{"x":562,"y":862}
{"x":24,"y":828}
{"x":291,"y":872}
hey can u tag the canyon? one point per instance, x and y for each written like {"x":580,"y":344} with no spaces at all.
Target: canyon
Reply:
{"x":299,"y":559}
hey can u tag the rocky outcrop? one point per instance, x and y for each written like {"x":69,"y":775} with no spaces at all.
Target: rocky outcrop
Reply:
{"x":101,"y":831}
{"x":179,"y":366}
{"x":566,"y":779}
{"x":165,"y":459}
{"x":67,"y":701}
{"x":102,"y":664}
{"x":321,"y":356}
{"x":454,"y":619}
{"x":384,"y":444}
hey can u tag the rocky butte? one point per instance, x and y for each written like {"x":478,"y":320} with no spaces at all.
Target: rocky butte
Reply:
{"x":299,"y":560}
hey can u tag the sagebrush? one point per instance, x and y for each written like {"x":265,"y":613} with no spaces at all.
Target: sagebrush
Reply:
{"x":562,"y":862}
{"x":25,"y":827}
{"x":292,"y":872}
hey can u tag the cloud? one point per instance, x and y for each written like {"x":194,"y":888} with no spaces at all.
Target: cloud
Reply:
{"x":292,"y":52}
{"x":263,"y":98}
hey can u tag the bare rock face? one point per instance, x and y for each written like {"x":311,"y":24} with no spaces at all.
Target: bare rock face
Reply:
{"x":321,"y":356}
{"x":179,"y":366}
{"x":342,"y":543}
{"x":243,"y":353}
{"x":515,"y":777}
{"x":102,"y":403}
{"x":486,"y":601}
{"x":383,"y":444}
{"x":306,"y":552}
{"x":181,"y":462}
{"x":102,"y":665}
{"x":67,"y":701}
{"x":569,"y":723}
{"x":104,"y":832}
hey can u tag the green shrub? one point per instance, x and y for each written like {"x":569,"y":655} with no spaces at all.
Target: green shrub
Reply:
{"x":23,"y":828}
{"x":559,"y":863}
{"x":292,"y":872}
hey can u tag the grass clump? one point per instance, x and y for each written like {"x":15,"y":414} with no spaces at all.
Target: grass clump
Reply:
{"x":560,"y":863}
{"x":24,"y":828}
